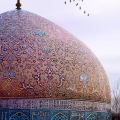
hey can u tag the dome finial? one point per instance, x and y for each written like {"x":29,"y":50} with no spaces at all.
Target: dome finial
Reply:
{"x":18,"y":5}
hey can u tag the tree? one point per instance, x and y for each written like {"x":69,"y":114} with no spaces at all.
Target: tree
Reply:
{"x":115,"y":101}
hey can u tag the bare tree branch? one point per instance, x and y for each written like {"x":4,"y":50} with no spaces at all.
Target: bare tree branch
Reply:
{"x":116,"y":98}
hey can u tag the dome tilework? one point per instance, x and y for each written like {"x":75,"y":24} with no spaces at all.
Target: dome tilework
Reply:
{"x":39,"y":59}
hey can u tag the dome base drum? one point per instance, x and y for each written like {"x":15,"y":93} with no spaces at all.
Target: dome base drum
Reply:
{"x":54,"y":109}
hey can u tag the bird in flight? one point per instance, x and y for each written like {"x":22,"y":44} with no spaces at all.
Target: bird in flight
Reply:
{"x":77,"y":4}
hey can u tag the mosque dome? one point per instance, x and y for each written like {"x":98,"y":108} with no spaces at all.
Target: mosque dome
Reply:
{"x":39,"y":59}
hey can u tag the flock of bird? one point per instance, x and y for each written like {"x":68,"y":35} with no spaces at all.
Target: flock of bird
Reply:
{"x":77,"y":5}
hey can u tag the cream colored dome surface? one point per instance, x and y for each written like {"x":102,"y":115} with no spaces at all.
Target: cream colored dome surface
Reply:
{"x":39,"y":59}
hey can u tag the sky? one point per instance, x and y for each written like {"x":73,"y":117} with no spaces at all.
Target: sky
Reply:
{"x":100,"y":31}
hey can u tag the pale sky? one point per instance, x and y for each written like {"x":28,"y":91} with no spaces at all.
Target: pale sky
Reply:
{"x":100,"y":31}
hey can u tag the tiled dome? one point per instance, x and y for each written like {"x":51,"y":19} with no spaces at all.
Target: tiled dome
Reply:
{"x":39,"y":59}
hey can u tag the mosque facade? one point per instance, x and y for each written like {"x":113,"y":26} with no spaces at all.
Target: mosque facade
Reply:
{"x":46,"y":73}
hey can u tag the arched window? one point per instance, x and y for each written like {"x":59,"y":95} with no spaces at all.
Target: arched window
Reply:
{"x":91,"y":117}
{"x":59,"y":116}
{"x":19,"y":116}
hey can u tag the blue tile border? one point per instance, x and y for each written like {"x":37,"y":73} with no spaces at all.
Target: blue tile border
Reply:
{"x":47,"y":114}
